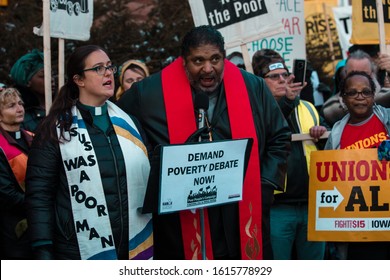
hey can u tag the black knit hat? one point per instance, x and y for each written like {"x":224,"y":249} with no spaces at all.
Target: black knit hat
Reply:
{"x":266,"y":60}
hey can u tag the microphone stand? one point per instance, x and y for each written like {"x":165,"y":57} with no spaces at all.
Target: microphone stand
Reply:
{"x":201,"y":122}
{"x":202,"y":104}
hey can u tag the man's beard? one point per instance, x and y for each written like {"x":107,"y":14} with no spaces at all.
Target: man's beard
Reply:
{"x":198,"y":87}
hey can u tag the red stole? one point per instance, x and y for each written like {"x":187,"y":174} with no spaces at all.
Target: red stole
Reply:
{"x":182,"y":123}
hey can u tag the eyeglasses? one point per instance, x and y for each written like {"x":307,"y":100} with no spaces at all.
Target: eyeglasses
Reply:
{"x":101,"y":70}
{"x":276,"y":76}
{"x":354,"y":93}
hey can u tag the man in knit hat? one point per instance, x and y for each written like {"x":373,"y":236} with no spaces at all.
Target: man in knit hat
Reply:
{"x":29,"y":78}
{"x":289,"y":212}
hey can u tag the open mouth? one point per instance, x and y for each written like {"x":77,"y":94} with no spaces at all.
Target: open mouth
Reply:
{"x":108,"y":83}
{"x":207,"y":82}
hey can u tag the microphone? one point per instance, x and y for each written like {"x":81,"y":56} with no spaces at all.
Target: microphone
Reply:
{"x":201,"y":104}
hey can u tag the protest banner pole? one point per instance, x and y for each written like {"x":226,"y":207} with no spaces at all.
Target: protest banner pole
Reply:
{"x":201,"y":104}
{"x":247,"y":59}
{"x":383,"y":48}
{"x":202,"y":233}
{"x":381,"y":26}
{"x":331,"y":48}
{"x":61,"y":62}
{"x":306,"y":136}
{"x":47,"y":53}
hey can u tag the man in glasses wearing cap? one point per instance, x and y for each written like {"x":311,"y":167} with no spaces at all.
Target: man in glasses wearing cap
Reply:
{"x":289,"y":212}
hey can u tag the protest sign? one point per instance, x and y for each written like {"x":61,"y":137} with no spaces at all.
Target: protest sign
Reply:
{"x":349,"y":196}
{"x":291,"y":43}
{"x":322,"y":43}
{"x":365,"y":22}
{"x":201,"y":174}
{"x":62,"y":19}
{"x":69,"y":19}
{"x":343,"y":19}
{"x":239,"y":21}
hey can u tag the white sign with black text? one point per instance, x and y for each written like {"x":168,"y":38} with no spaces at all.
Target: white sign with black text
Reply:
{"x":239,"y":21}
{"x":201,"y":174}
{"x":69,"y":19}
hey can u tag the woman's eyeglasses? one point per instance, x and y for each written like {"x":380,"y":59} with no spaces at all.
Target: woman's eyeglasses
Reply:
{"x":354,"y":93}
{"x":101,"y":70}
{"x":276,"y":76}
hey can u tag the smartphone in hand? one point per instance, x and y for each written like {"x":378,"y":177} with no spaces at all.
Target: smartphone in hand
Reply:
{"x":299,"y":70}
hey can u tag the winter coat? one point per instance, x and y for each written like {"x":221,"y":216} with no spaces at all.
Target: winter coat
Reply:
{"x":14,"y":243}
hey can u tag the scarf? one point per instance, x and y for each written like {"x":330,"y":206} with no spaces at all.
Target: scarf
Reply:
{"x":182,"y":123}
{"x":89,"y":207}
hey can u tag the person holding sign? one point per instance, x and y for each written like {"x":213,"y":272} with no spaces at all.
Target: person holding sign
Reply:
{"x":365,"y":126}
{"x":239,"y":106}
{"x":289,"y":212}
{"x":88,"y":171}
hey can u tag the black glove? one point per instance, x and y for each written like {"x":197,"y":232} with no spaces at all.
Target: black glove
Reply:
{"x":201,"y":132}
{"x":43,"y":252}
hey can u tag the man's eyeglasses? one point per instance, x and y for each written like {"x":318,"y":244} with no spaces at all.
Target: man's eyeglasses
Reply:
{"x":354,"y":93}
{"x":101,"y":70}
{"x":276,"y":76}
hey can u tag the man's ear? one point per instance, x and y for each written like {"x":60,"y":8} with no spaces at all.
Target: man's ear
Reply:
{"x":78,"y":80}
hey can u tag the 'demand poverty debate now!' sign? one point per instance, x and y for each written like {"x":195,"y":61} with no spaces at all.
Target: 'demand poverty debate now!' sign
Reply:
{"x":202,"y":174}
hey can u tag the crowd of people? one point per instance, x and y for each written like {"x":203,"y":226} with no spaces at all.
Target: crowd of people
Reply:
{"x":82,"y":181}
